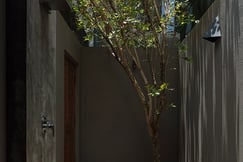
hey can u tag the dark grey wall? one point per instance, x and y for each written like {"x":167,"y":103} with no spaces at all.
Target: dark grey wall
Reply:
{"x":231,"y":13}
{"x":41,"y":81}
{"x":48,"y":38}
{"x":112,"y":124}
{"x":2,"y":84}
{"x":210,"y":89}
{"x":240,"y":76}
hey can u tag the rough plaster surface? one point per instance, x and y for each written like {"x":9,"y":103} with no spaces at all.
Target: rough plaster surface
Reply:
{"x":2,"y":83}
{"x":41,"y":81}
{"x":240,"y":83}
{"x":210,"y":90}
{"x":47,"y":44}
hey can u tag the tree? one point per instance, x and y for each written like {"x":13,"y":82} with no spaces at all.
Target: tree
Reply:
{"x":127,"y":26}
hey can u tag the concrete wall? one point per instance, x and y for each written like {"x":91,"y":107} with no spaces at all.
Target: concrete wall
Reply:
{"x":112,"y":124}
{"x":240,"y":83}
{"x":2,"y":83}
{"x":210,"y":89}
{"x":48,"y":38}
{"x":41,"y":81}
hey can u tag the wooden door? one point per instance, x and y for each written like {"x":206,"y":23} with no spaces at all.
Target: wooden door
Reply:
{"x":70,"y":104}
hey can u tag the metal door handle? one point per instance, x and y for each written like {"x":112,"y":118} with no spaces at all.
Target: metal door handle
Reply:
{"x":47,"y":124}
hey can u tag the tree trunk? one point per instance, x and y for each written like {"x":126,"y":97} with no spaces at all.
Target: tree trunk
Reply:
{"x":156,"y":148}
{"x":155,"y":138}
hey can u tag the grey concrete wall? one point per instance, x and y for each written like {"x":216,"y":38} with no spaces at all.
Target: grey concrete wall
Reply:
{"x":112,"y":124}
{"x":41,"y":81}
{"x":240,"y":83}
{"x":112,"y":121}
{"x":210,"y":90}
{"x":2,"y":83}
{"x":48,"y":38}
{"x":66,"y":42}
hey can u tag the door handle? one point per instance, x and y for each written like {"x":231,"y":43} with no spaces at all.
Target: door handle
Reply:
{"x":47,"y":124}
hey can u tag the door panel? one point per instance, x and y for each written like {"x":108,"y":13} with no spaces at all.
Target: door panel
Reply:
{"x":69,"y":113}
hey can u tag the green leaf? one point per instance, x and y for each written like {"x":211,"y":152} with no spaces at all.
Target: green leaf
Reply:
{"x":88,"y":37}
{"x":163,"y":86}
